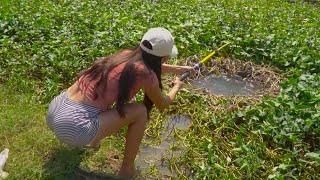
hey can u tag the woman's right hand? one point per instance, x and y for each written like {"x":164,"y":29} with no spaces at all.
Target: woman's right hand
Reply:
{"x":178,"y":82}
{"x":162,"y":101}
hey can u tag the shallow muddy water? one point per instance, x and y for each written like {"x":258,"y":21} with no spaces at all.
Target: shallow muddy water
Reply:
{"x":226,"y":85}
{"x":157,"y":155}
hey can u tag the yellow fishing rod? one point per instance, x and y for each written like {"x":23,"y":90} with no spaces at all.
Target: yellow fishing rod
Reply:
{"x":205,"y":59}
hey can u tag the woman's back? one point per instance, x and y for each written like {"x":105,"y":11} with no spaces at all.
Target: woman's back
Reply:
{"x":83,"y":89}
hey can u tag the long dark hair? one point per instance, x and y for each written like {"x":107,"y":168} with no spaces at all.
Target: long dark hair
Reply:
{"x":102,"y":66}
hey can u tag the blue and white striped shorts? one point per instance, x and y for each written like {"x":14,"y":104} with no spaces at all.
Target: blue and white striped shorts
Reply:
{"x":73,"y":123}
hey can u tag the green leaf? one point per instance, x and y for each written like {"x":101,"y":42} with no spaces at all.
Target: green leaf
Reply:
{"x":314,"y":156}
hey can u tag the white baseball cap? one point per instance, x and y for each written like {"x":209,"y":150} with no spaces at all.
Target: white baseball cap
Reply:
{"x":162,"y":42}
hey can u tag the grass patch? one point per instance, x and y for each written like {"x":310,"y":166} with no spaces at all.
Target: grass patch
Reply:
{"x":34,"y":152}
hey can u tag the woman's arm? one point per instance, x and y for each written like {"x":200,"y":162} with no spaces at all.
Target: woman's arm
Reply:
{"x":161,"y":100}
{"x":166,"y":68}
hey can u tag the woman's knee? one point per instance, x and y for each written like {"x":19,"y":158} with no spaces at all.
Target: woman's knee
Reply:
{"x":140,"y":112}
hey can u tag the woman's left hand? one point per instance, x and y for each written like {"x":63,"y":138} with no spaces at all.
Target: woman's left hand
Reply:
{"x":188,"y":68}
{"x":178,"y":70}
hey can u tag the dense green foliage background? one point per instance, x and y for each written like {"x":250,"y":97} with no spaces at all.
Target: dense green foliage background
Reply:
{"x":44,"y":44}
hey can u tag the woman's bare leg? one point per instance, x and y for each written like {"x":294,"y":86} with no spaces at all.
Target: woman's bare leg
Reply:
{"x":136,"y":119}
{"x":133,"y":139}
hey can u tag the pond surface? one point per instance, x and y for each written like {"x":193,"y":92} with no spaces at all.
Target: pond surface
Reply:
{"x":157,"y":156}
{"x":226,"y":85}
